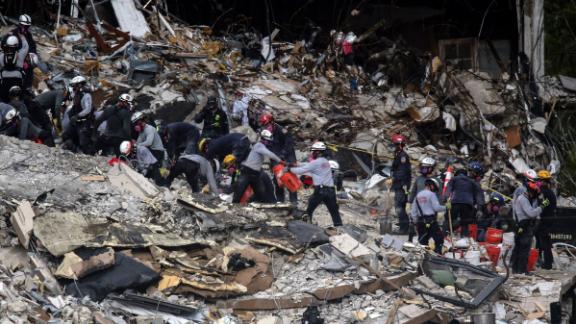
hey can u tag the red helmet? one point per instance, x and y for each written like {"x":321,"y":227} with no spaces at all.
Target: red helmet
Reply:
{"x":398,"y":139}
{"x":265,"y":119}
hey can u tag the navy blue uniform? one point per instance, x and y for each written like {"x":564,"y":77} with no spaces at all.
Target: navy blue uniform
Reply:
{"x":233,"y":143}
{"x":401,"y":179}
{"x":465,"y":195}
{"x":181,"y":137}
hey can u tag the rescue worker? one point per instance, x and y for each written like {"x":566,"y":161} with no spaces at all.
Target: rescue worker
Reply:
{"x":426,"y":169}
{"x":11,"y":124}
{"x":193,"y":165}
{"x":78,"y":134}
{"x":546,"y":218}
{"x":425,"y":207}
{"x":526,"y":212}
{"x":492,"y":217}
{"x":148,"y":137}
{"x":179,"y":137}
{"x":25,"y":36}
{"x":463,"y":198}
{"x":118,"y":130}
{"x":140,"y":158}
{"x":230,"y":164}
{"x":401,"y":180}
{"x":251,"y":168}
{"x":530,"y":176}
{"x":48,"y":103}
{"x":214,"y":118}
{"x":12,"y":65}
{"x":15,"y":100}
{"x":324,"y":190}
{"x":283,"y":146}
{"x":234,"y":143}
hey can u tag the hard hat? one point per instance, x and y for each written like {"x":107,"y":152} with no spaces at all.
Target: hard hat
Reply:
{"x":531,"y":175}
{"x":33,"y":58}
{"x":10,"y":115}
{"x":14,"y":91}
{"x":77,"y":80}
{"x":266,"y":134}
{"x":544,"y":174}
{"x":229,"y":160}
{"x":398,"y":139}
{"x":202,"y":144}
{"x":137,"y":116}
{"x":265,"y":119}
{"x":126,"y":98}
{"x":432,"y":182}
{"x":126,"y":147}
{"x":427,"y":161}
{"x":318,"y":146}
{"x":335,"y":166}
{"x":12,"y":41}
{"x":476,"y":166}
{"x":496,"y":197}
{"x":25,"y":20}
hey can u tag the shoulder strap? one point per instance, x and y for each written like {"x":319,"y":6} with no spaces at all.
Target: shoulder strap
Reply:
{"x":418,"y":205}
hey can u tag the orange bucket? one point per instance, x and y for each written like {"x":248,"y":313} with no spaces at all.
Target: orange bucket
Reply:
{"x":248,"y":193}
{"x":278,"y":171}
{"x":532,"y":258}
{"x":291,"y":181}
{"x":494,"y":235}
{"x":493,"y":252}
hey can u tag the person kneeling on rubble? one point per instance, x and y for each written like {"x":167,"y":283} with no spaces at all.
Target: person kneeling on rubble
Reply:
{"x":251,"y":168}
{"x":140,"y":158}
{"x":424,"y":208}
{"x":526,"y":212}
{"x":117,"y":118}
{"x":214,"y":118}
{"x":12,"y":124}
{"x":193,"y":165}
{"x":78,"y":133}
{"x":148,"y":137}
{"x":323,"y":179}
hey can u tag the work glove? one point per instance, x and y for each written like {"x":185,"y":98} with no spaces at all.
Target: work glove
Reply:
{"x":545,"y":203}
{"x":406,"y":190}
{"x":427,"y":225}
{"x":448,"y":205}
{"x":520,"y":230}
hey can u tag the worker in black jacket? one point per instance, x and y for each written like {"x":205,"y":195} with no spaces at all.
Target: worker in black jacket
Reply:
{"x":546,"y":220}
{"x":180,"y":137}
{"x":234,"y":143}
{"x":118,"y":127}
{"x":282,"y":145}
{"x":214,"y":118}
{"x":401,"y":180}
{"x":465,"y":196}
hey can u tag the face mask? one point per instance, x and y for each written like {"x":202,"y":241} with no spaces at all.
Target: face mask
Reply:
{"x":138,"y":128}
{"x":495,"y":209}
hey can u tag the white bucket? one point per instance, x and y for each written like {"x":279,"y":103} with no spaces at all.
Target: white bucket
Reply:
{"x":472,"y":257}
{"x":508,"y":239}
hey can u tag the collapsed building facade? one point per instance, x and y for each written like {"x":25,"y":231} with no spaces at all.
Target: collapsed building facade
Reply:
{"x":461,"y":80}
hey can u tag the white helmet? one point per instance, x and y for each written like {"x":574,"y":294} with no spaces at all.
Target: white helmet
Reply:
{"x":25,"y":20}
{"x":77,"y":80}
{"x":137,"y":116}
{"x":531,"y":175}
{"x":11,"y":114}
{"x":12,"y":41}
{"x":318,"y":146}
{"x":427,"y":161}
{"x":266,"y":134}
{"x":126,"y":98}
{"x":126,"y":147}
{"x":335,"y":166}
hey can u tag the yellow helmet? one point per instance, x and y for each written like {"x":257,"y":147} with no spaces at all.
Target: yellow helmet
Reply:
{"x":544,"y":174}
{"x":229,"y":159}
{"x":202,"y":144}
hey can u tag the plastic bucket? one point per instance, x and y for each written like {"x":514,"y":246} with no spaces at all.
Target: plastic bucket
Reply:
{"x":248,"y":193}
{"x":472,"y":257}
{"x":494,"y":235}
{"x":278,"y":171}
{"x":291,"y":181}
{"x":532,"y":258}
{"x":493,"y":252}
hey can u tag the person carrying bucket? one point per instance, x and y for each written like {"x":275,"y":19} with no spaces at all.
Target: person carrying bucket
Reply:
{"x":324,"y":190}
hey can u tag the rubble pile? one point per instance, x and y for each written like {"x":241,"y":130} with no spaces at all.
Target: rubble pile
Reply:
{"x":85,"y":241}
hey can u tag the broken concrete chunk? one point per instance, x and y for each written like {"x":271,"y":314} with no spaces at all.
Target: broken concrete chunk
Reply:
{"x":349,"y":246}
{"x":74,"y":267}
{"x":128,"y":180}
{"x":23,"y":221}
